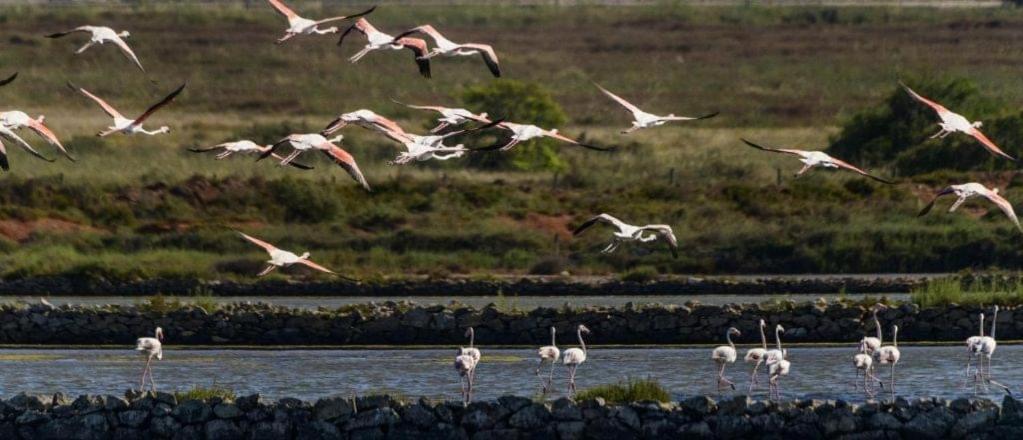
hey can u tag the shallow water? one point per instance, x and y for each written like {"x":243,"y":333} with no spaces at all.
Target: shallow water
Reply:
{"x":309,"y":374}
{"x":521,"y":302}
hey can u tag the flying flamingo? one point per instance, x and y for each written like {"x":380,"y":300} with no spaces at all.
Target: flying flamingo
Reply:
{"x":304,"y":26}
{"x":282,"y":258}
{"x":367,"y":119}
{"x":449,"y":116}
{"x":889,"y":354}
{"x":756,"y":356}
{"x":377,"y":40}
{"x":9,"y":134}
{"x":424,"y":148}
{"x":8,"y":80}
{"x":244,"y":147}
{"x":16,"y":120}
{"x":526,"y":132}
{"x":953,"y":122}
{"x":449,"y":48}
{"x":724,"y":355}
{"x":575,"y":357}
{"x":967,"y":190}
{"x":101,"y":35}
{"x":130,"y":126}
{"x":973,"y":347}
{"x":643,"y":119}
{"x":150,"y":348}
{"x":473,"y":352}
{"x":301,"y":143}
{"x":548,"y":354}
{"x":626,"y":232}
{"x":465,"y":366}
{"x":811,"y":159}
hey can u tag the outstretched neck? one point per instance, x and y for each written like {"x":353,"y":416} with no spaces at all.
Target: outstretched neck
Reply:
{"x":777,"y":337}
{"x":994,"y":323}
{"x":582,"y":343}
{"x":472,"y":337}
{"x":763,"y":338}
{"x":877,"y":325}
{"x":728,"y":337}
{"x":895,"y":337}
{"x":552,"y":338}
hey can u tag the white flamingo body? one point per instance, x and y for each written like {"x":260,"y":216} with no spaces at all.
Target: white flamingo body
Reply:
{"x":448,"y":48}
{"x":642,"y":119}
{"x":549,"y":354}
{"x":282,"y":258}
{"x":244,"y":146}
{"x":424,"y":148}
{"x":972,"y":189}
{"x":811,"y":159}
{"x":364,"y":118}
{"x":574,"y":357}
{"x":127,"y":126}
{"x":301,"y":143}
{"x":527,"y":132}
{"x":724,"y":355}
{"x":756,"y":356}
{"x":16,"y":120}
{"x":376,"y":40}
{"x":890,"y":355}
{"x":985,"y":348}
{"x":449,"y":117}
{"x":102,"y":35}
{"x":298,"y":25}
{"x":952,"y":122}
{"x":465,"y":363}
{"x":150,"y":348}
{"x":625,"y":232}
{"x":872,"y":343}
{"x":777,"y":364}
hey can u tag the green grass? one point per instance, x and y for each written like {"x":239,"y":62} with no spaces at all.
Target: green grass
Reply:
{"x":633,"y":390}
{"x":948,"y":291}
{"x":205,"y":393}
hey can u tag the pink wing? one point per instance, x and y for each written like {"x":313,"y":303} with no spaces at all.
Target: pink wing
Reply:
{"x":989,"y":144}
{"x":112,"y":112}
{"x":347,"y":162}
{"x":46,"y":133}
{"x":1005,"y":206}
{"x":282,"y":9}
{"x":937,"y":107}
{"x":315,"y":266}
{"x":854,"y":169}
{"x":269,"y":247}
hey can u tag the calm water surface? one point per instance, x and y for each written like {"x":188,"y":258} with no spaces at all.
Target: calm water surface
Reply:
{"x":309,"y":374}
{"x":522,"y":302}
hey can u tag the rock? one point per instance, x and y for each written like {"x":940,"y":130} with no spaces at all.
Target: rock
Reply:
{"x":32,"y":417}
{"x":227,"y":411}
{"x":333,"y":409}
{"x":192,"y":412}
{"x":732,"y":426}
{"x":884,"y":421}
{"x":931,"y":424}
{"x":222,"y":430}
{"x":973,"y":423}
{"x":699,"y":405}
{"x":373,"y":418}
{"x":697,"y":430}
{"x":529,"y":417}
{"x":318,"y":430}
{"x":565,"y":409}
{"x":133,"y":418}
{"x":419,"y":415}
{"x":164,"y":426}
{"x":570,"y":430}
{"x":514,"y":403}
{"x":22,"y":402}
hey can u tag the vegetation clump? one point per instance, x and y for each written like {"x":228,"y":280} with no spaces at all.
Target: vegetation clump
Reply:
{"x":632,"y":390}
{"x":205,"y":393}
{"x":947,"y":291}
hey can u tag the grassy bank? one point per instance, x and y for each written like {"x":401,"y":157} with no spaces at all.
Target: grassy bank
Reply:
{"x":142,"y":207}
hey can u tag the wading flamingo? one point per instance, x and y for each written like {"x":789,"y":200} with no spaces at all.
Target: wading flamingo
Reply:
{"x":464,"y":365}
{"x":642,"y":119}
{"x":8,"y":80}
{"x":812,"y":159}
{"x":776,"y":370}
{"x":777,"y":353}
{"x":283,"y":258}
{"x":449,"y":116}
{"x":548,"y":354}
{"x":889,"y":355}
{"x":101,"y":35}
{"x":150,"y":348}
{"x":377,"y":40}
{"x":872,"y":343}
{"x":724,"y":355}
{"x":986,"y":349}
{"x":367,"y":119}
{"x":17,"y":120}
{"x":244,"y":147}
{"x":973,"y":349}
{"x":575,"y":357}
{"x":301,"y":143}
{"x":449,"y":48}
{"x":864,"y":364}
{"x":967,"y":190}
{"x":304,"y":26}
{"x":953,"y":122}
{"x":473,"y":352}
{"x":626,"y":232}
{"x":125,"y":125}
{"x":526,"y":132}
{"x":756,"y":356}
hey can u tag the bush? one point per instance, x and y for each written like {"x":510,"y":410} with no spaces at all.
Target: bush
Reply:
{"x":641,"y":274}
{"x":627,"y":392}
{"x":548,"y":266}
{"x":524,"y":103}
{"x":305,"y":201}
{"x":944,"y":292}
{"x":205,"y":393}
{"x":898,"y":131}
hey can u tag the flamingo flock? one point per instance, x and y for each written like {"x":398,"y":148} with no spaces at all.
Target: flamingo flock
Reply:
{"x":871,"y":352}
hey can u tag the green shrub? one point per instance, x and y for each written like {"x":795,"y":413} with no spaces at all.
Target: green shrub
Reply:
{"x":627,"y":392}
{"x":524,"y":103}
{"x":160,"y":304}
{"x":205,"y":393}
{"x":946,"y":291}
{"x":641,"y":274}
{"x":305,"y":201}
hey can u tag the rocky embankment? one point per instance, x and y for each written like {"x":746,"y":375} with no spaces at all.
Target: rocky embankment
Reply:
{"x":162,"y":416}
{"x":405,"y":323}
{"x":526,"y":285}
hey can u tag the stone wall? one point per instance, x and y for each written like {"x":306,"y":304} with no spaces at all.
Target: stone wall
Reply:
{"x":524,"y":285}
{"x":407,"y":324}
{"x":162,"y":416}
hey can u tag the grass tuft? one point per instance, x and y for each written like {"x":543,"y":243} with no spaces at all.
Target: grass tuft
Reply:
{"x":205,"y":393}
{"x":947,"y":291}
{"x":626,"y":392}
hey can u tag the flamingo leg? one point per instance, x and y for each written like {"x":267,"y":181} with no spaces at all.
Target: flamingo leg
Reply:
{"x":803,"y":170}
{"x":358,"y":55}
{"x":439,"y":127}
{"x":286,"y":37}
{"x":145,"y":369}
{"x":893,"y":382}
{"x":509,"y":145}
{"x":290,"y":157}
{"x":538,"y":377}
{"x":753,"y":377}
{"x":550,"y":378}
{"x":83,"y":48}
{"x":630,"y":129}
{"x":571,"y":379}
{"x":940,"y":133}
{"x":151,"y":380}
